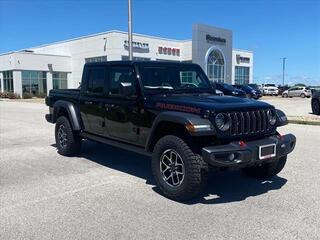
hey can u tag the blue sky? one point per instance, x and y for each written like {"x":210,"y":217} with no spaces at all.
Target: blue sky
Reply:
{"x":272,"y":29}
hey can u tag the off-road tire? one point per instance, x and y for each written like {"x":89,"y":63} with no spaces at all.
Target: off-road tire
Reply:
{"x":73,"y":142}
{"x":196,"y":170}
{"x":266,"y":170}
{"x":315,"y":106}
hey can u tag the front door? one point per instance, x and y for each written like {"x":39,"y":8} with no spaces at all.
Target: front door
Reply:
{"x":122,"y":115}
{"x":91,"y":100}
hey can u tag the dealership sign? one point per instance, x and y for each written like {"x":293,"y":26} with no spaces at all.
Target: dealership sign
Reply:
{"x":169,"y":51}
{"x":242,"y":59}
{"x":137,"y":45}
{"x":213,"y":39}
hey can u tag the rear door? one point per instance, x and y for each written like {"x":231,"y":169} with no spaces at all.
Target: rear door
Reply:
{"x":91,"y":99}
{"x":291,"y":92}
{"x":300,"y":91}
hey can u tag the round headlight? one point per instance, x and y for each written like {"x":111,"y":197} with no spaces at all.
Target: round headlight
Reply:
{"x":222,"y":122}
{"x":271,"y":117}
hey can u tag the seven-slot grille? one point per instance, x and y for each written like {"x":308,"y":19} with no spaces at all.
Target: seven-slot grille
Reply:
{"x":250,"y":122}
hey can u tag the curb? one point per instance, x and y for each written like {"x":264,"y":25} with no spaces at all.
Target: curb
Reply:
{"x":304,"y":122}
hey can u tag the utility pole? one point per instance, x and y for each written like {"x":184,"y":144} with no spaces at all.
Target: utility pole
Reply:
{"x":283,"y":68}
{"x":130,"y":30}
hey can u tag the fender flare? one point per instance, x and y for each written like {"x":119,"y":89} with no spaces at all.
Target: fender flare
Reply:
{"x":182,"y":119}
{"x":72,"y":113}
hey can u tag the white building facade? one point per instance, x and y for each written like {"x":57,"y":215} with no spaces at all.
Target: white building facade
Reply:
{"x":36,"y":70}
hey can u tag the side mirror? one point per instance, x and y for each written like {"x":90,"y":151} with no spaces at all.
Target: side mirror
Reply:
{"x":126,"y":89}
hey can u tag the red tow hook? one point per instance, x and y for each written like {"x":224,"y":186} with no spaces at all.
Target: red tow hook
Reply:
{"x":280,"y":136}
{"x":242,"y":144}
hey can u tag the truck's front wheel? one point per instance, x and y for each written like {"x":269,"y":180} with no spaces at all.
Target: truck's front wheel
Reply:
{"x":179,"y":173}
{"x":267,"y":169}
{"x":68,"y":141}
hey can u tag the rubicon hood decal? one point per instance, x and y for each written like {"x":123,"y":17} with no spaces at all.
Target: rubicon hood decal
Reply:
{"x":180,"y":108}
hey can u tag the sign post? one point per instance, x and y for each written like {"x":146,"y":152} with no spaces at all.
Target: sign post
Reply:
{"x":130,"y":30}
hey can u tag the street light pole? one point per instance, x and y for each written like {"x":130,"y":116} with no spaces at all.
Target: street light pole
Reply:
{"x":130,"y":30}
{"x":283,"y":68}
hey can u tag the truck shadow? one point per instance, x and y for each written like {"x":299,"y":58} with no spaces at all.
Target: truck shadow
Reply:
{"x":222,"y":187}
{"x":233,"y":186}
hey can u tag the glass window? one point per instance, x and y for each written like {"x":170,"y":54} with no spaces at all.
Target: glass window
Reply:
{"x":34,"y":83}
{"x":120,"y":75}
{"x":96,"y":80}
{"x":96,"y":59}
{"x":215,"y":66}
{"x":7,"y":81}
{"x":241,"y":75}
{"x":59,"y":80}
{"x":181,"y":78}
{"x":126,"y":58}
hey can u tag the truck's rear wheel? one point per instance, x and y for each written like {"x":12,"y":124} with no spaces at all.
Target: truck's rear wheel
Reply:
{"x":179,"y":173}
{"x":267,"y":169}
{"x":68,"y":141}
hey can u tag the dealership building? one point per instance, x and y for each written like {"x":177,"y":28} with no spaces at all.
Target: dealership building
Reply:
{"x":58,"y":65}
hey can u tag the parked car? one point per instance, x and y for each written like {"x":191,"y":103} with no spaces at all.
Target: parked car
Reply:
{"x":256,"y":87}
{"x":315,"y":102}
{"x":270,"y":89}
{"x":250,"y":92}
{"x":229,"y":90}
{"x":281,"y":89}
{"x":314,"y":89}
{"x":152,"y":109}
{"x":297,"y":92}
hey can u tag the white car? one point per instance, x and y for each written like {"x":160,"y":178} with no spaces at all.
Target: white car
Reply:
{"x":270,"y":89}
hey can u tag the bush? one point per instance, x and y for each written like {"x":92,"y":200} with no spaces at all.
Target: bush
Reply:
{"x":3,"y":95}
{"x":41,"y":95}
{"x":12,"y":95}
{"x":27,"y":95}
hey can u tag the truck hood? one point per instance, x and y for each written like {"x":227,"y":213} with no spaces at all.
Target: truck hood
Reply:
{"x":202,"y":102}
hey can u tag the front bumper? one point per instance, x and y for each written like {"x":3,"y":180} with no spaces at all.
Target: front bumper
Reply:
{"x":245,"y":154}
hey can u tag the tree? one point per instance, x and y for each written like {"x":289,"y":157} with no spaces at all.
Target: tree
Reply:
{"x":300,"y":85}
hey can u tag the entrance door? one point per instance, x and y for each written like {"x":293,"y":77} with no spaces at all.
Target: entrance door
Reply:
{"x":215,"y":66}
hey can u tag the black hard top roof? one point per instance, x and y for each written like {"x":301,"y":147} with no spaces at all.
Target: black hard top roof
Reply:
{"x":144,"y":63}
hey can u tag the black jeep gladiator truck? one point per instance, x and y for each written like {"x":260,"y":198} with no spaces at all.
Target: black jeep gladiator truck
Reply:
{"x":169,"y":111}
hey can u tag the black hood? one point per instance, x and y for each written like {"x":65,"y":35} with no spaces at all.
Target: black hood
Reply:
{"x":205,"y":102}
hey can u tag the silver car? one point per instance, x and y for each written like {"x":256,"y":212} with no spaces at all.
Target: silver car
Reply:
{"x":297,"y":92}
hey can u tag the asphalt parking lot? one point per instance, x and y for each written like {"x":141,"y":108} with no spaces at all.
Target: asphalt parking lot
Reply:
{"x":107,"y":193}
{"x":291,"y":106}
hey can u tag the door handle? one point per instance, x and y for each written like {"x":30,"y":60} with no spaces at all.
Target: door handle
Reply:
{"x":109,"y":105}
{"x":88,"y":102}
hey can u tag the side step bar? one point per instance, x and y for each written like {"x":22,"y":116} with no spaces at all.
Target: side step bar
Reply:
{"x":114,"y":143}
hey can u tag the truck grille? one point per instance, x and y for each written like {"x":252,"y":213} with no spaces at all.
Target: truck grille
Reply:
{"x":251,"y":122}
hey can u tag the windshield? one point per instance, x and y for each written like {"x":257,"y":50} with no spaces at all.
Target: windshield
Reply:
{"x":228,"y":87}
{"x":248,"y":88}
{"x":181,"y":78}
{"x":253,"y":85}
{"x":269,"y":85}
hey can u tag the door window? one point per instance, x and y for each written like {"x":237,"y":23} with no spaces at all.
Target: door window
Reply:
{"x":120,"y":75}
{"x":96,"y":80}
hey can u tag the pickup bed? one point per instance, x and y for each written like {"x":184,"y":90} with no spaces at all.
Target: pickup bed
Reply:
{"x":170,"y":112}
